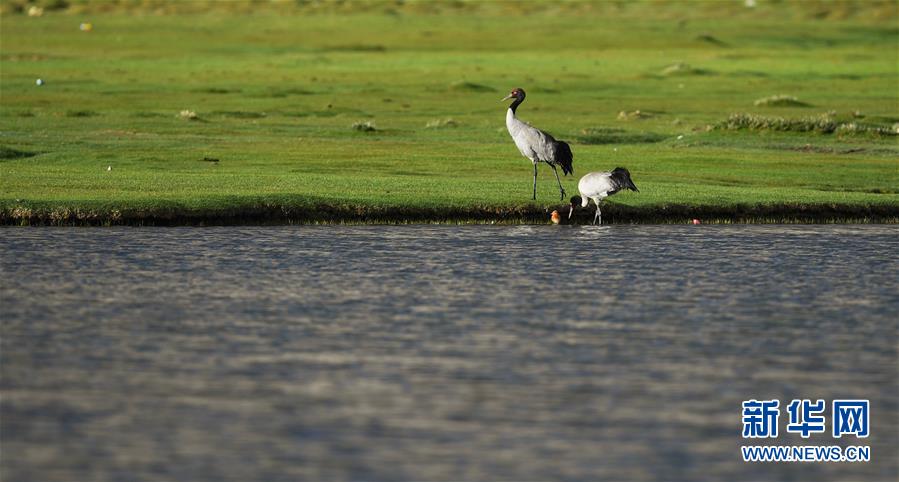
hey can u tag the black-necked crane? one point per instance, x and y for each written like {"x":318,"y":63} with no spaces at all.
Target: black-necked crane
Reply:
{"x":536,"y":145}
{"x":600,"y":185}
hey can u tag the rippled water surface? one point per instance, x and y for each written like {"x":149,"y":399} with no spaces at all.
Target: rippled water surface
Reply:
{"x":438,"y":353}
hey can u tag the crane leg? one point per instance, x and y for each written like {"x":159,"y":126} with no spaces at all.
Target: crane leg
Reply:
{"x":561,"y":189}
{"x":535,"y":181}
{"x":598,"y":216}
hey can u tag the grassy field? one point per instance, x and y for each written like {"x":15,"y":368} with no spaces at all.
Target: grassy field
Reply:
{"x":230,"y":116}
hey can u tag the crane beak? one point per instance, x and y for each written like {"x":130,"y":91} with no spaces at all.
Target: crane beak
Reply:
{"x":570,"y":210}
{"x":506,"y":97}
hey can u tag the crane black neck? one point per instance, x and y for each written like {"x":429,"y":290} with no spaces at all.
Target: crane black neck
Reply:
{"x":514,"y":105}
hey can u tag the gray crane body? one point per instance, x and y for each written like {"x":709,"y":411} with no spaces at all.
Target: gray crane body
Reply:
{"x":536,"y":145}
{"x":533,"y":143}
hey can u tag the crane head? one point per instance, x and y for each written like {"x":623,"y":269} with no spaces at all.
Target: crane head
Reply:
{"x":517,"y":93}
{"x":575,"y":200}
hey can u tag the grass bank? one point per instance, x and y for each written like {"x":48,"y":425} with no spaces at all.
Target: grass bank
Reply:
{"x":277,"y":214}
{"x":392,"y":114}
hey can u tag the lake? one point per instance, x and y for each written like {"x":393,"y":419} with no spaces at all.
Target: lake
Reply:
{"x":439,"y":352}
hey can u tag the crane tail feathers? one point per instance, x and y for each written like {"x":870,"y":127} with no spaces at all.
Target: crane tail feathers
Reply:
{"x":622,"y":178}
{"x":563,"y":157}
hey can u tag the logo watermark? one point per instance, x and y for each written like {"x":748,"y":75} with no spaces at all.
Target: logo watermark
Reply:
{"x":806,"y":418}
{"x":807,"y":453}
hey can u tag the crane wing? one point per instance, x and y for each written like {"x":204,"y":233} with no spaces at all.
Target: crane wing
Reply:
{"x":533,"y":143}
{"x":538,"y":146}
{"x":622,"y":179}
{"x":548,"y":149}
{"x":563,"y":156}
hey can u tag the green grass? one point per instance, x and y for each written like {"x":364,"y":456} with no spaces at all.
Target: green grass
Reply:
{"x":277,"y":95}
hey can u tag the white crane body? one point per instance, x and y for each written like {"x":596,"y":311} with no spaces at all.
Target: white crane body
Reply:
{"x":600,"y":185}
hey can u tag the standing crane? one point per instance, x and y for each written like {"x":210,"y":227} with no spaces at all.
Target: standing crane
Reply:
{"x":536,"y":145}
{"x":599,"y":185}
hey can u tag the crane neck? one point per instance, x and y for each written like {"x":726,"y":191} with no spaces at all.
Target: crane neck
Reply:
{"x":515,"y":104}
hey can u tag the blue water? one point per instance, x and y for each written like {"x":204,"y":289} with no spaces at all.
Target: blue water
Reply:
{"x":438,"y":352}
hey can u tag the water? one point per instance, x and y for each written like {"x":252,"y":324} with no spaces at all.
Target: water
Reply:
{"x":438,"y":353}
